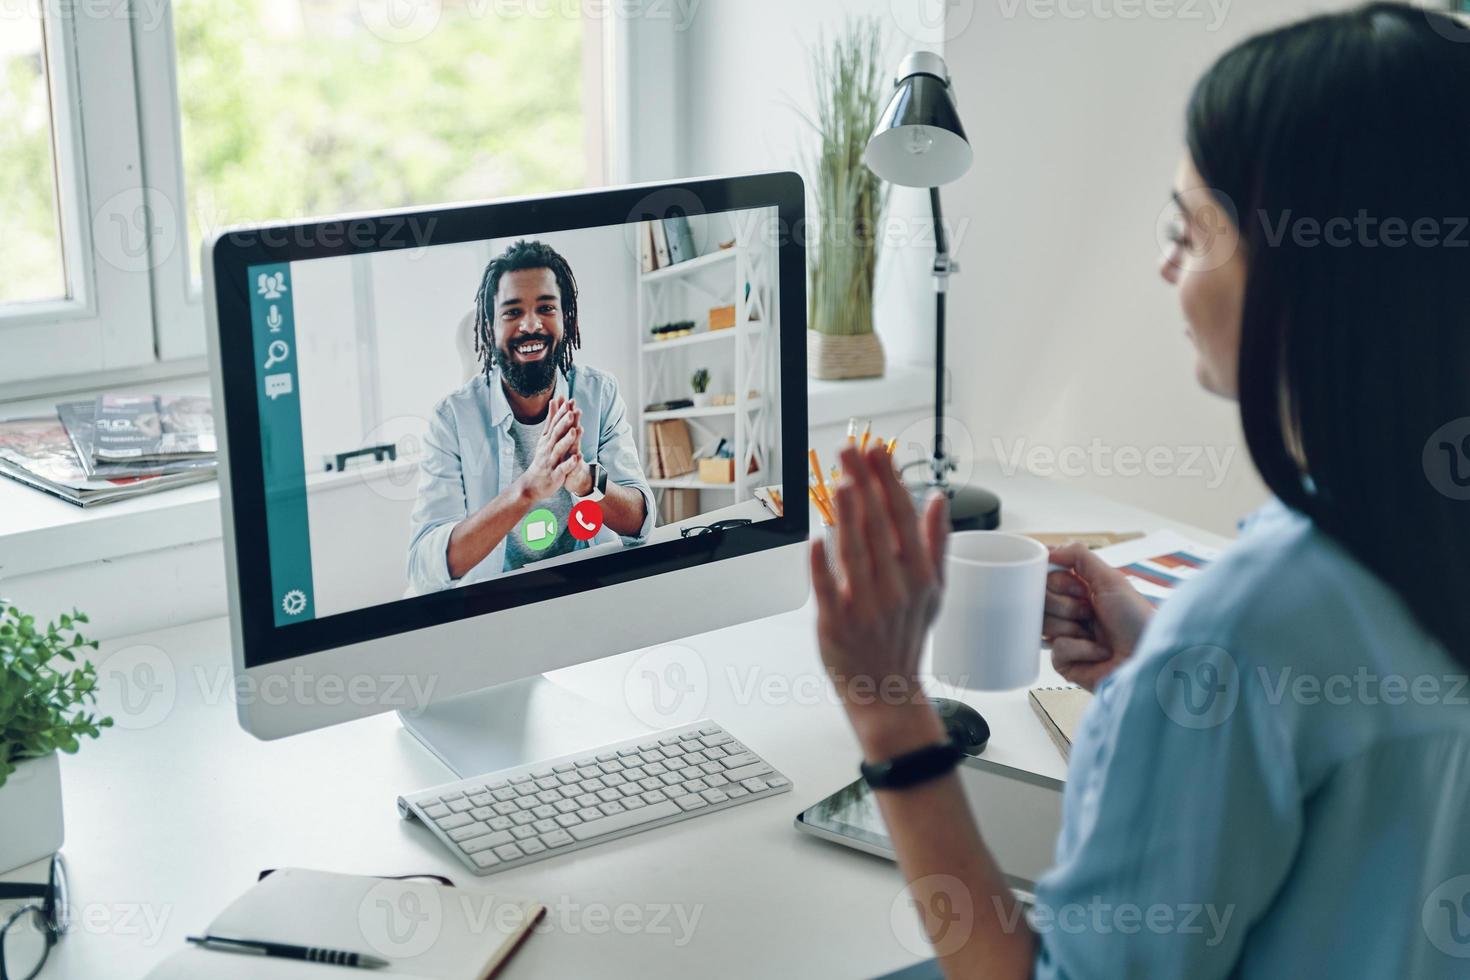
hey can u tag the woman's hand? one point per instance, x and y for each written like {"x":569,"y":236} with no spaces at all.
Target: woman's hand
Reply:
{"x":1094,"y":617}
{"x":873,"y":616}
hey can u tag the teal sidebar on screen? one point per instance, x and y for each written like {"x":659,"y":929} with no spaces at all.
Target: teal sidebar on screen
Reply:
{"x":273,"y":326}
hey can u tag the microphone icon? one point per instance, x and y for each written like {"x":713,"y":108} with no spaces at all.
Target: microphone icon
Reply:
{"x":273,"y":319}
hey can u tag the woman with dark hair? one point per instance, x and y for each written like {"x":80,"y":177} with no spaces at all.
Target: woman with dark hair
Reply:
{"x":1274,"y":777}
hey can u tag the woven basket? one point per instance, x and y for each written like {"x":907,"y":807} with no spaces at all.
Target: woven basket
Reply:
{"x":832,"y":358}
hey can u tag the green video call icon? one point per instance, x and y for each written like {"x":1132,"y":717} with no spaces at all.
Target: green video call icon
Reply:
{"x":538,"y":530}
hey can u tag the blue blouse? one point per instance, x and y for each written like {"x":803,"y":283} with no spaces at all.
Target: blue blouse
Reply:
{"x":1276,"y":784}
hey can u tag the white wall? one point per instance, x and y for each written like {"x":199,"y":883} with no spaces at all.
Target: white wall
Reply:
{"x":1065,"y":344}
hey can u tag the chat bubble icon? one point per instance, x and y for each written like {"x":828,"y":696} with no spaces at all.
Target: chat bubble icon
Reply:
{"x":277,"y":385}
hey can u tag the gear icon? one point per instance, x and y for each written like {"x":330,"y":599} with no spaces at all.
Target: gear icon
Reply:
{"x":293,"y":603}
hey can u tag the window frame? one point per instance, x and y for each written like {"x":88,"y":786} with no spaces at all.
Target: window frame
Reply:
{"x":118,"y":149}
{"x":97,"y":160}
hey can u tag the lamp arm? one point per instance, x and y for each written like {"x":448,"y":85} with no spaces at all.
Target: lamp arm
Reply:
{"x":940,"y":465}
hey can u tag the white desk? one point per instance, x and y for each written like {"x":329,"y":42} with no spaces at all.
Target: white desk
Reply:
{"x":167,"y":823}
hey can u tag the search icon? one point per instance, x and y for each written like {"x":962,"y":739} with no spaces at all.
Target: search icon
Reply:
{"x":276,"y":353}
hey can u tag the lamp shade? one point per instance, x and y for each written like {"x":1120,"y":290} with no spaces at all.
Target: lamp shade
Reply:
{"x":919,"y":140}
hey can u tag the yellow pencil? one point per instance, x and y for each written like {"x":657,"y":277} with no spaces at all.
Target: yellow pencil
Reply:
{"x":867,"y":432}
{"x":892,"y":445}
{"x":851,"y":431}
{"x":821,"y":507}
{"x":780,"y":507}
{"x":817,"y":472}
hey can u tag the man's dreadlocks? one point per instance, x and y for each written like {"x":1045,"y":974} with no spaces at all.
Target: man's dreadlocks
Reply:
{"x":520,"y":256}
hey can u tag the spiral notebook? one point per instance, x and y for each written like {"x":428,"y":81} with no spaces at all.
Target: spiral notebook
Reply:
{"x":425,"y":931}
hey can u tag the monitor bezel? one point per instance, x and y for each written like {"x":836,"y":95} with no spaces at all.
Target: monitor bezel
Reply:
{"x":228,"y":257}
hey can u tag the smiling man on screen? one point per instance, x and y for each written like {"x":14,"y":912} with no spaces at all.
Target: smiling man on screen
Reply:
{"x":509,"y":454}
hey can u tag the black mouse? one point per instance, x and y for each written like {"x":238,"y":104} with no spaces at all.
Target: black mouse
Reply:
{"x":963,"y":724}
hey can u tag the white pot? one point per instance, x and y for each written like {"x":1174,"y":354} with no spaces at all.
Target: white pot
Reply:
{"x":30,"y":813}
{"x":701,"y":399}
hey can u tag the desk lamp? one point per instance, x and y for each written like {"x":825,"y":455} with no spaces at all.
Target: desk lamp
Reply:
{"x":919,"y":142}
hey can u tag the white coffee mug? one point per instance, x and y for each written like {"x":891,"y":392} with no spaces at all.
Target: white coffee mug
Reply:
{"x":988,"y":635}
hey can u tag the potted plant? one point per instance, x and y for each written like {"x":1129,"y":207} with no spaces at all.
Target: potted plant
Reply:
{"x":700,"y":383}
{"x":44,"y":694}
{"x":848,"y":76}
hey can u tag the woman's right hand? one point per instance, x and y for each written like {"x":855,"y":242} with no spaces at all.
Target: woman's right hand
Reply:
{"x":1094,"y":617}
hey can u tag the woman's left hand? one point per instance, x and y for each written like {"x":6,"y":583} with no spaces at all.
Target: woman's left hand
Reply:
{"x":872,"y":618}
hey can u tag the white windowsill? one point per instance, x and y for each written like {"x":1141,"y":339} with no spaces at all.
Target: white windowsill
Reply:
{"x":39,"y":533}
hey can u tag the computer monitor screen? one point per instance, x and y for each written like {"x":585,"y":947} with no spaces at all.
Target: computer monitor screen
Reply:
{"x":459,"y":423}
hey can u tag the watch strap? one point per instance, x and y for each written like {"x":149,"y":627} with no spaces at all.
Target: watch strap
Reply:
{"x":913,"y":768}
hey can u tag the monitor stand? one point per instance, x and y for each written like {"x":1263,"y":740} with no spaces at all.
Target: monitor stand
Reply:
{"x":514,"y":724}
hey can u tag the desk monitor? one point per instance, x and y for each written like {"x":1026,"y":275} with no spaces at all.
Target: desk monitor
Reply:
{"x":400,"y":527}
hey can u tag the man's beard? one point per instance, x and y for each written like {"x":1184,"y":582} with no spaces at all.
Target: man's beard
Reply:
{"x":527,"y":378}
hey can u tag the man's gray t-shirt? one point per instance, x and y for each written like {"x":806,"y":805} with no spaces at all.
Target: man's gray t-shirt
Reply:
{"x":517,"y":554}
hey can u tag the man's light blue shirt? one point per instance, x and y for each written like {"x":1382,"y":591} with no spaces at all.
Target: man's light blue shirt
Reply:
{"x":1277,"y":784}
{"x":469,"y":460}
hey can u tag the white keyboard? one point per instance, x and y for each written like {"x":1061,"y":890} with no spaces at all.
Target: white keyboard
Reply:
{"x":518,"y":816}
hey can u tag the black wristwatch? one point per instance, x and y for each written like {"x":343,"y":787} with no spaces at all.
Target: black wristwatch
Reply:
{"x":912,"y":768}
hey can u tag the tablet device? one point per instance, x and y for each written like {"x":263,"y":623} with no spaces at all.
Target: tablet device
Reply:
{"x":1019,"y":812}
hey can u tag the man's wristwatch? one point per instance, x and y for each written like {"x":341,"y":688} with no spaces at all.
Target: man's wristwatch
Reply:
{"x":913,"y":768}
{"x":599,"y":482}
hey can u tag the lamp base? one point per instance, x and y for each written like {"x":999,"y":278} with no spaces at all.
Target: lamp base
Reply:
{"x":970,"y":508}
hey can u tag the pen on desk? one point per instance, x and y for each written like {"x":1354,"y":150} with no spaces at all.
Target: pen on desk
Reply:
{"x":312,"y":954}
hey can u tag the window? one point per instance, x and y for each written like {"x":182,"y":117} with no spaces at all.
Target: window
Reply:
{"x":290,"y":109}
{"x":145,"y":126}
{"x":31,"y":263}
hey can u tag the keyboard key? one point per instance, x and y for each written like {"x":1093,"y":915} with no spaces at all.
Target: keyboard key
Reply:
{"x":609,"y":768}
{"x":454,"y":795}
{"x":736,"y":761}
{"x":566,"y":806}
{"x":716,"y":752}
{"x":696,"y":786}
{"x":522,"y":833}
{"x":519,"y":780}
{"x":540,"y":773}
{"x":630,"y":789}
{"x":735,"y":792}
{"x":651,"y":758}
{"x":544,"y":826}
{"x":716,"y":779}
{"x":776,"y":782}
{"x":482,"y":813}
{"x":436,"y":810}
{"x":715,"y":795}
{"x":593,"y":785}
{"x":614,"y":779}
{"x":654,"y":796}
{"x":711,"y":768}
{"x":453,"y":820}
{"x":591,"y":813}
{"x":609,"y":809}
{"x":755,"y":784}
{"x":696,"y":758}
{"x":622,"y":821}
{"x":509,"y":852}
{"x":709,"y":730}
{"x":633,"y":803}
{"x":505,"y":809}
{"x":586,"y":800}
{"x":689,"y":802}
{"x":647,"y":746}
{"x":549,"y":796}
{"x":568,"y":819}
{"x":485,"y":841}
{"x":526,"y":789}
{"x":634,"y":773}
{"x":461,"y":805}
{"x":482,"y":799}
{"x":557,"y":838}
{"x":468,"y":830}
{"x":688,"y":736}
{"x":671,"y":779}
{"x":485,"y":859}
{"x":670,"y":751}
{"x":544,"y":812}
{"x":608,"y":794}
{"x":745,"y":772}
{"x":624,"y":753}
{"x":522,"y":818}
{"x":655,"y":768}
{"x":500,"y":823}
{"x":562,"y":767}
{"x":504,"y":793}
{"x":547,"y":782}
{"x":671,"y":740}
{"x":569,"y":779}
{"x":532,"y":846}
{"x":720,"y":738}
